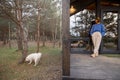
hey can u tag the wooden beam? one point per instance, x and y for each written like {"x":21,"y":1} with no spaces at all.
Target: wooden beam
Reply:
{"x":98,"y":8}
{"x":65,"y":38}
{"x":119,"y":29}
{"x":80,"y":4}
{"x":98,"y":14}
{"x":102,"y":42}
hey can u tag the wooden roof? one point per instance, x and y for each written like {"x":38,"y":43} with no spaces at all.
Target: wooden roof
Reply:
{"x":90,"y":4}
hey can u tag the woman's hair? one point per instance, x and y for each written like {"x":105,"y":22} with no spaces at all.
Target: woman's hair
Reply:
{"x":97,"y":20}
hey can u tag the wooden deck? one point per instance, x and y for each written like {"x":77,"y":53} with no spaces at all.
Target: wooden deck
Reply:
{"x":84,"y":67}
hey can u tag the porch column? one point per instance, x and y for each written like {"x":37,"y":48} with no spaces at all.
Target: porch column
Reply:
{"x":100,"y":15}
{"x":119,"y":29}
{"x":65,"y":38}
{"x":98,"y":9}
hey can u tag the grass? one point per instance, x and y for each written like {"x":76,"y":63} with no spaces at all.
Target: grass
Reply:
{"x":48,"y":69}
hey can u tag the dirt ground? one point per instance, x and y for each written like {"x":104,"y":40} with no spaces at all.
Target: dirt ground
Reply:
{"x":48,"y":69}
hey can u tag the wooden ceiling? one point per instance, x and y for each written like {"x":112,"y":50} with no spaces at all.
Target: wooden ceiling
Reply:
{"x":90,"y":4}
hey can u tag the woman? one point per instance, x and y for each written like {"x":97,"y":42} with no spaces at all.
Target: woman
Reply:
{"x":97,"y":31}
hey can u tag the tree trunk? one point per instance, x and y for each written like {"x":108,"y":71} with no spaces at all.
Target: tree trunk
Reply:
{"x":53,"y":36}
{"x":43,"y":38}
{"x":38,"y":31}
{"x":4,"y":38}
{"x":9,"y":35}
{"x":23,"y":32}
{"x":60,"y":41}
{"x":19,"y":40}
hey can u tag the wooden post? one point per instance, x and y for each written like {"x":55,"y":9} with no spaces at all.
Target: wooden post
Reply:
{"x":98,"y":8}
{"x":65,"y":38}
{"x":98,"y":14}
{"x":118,"y":30}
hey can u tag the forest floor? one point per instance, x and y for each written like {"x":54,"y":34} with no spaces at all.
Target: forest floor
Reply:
{"x":49,"y":68}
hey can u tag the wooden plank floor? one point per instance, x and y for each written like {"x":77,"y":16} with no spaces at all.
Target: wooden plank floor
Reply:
{"x":100,"y":68}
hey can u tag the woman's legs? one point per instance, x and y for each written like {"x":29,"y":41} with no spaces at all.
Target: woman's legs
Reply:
{"x":96,"y":38}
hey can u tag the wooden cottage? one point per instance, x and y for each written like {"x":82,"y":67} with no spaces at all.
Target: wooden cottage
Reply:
{"x":100,"y":7}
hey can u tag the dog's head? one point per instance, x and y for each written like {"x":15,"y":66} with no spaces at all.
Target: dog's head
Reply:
{"x":26,"y":59}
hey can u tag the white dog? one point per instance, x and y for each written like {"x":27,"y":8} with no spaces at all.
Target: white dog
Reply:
{"x":34,"y":57}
